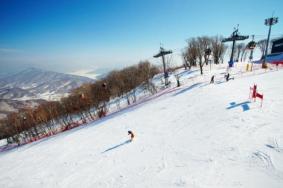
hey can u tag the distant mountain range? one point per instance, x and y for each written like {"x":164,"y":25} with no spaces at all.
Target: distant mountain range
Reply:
{"x":32,"y":86}
{"x":35,"y":83}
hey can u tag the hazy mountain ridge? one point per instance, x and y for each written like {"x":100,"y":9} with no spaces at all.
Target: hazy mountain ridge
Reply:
{"x":10,"y":93}
{"x":37,"y":84}
{"x":32,"y":86}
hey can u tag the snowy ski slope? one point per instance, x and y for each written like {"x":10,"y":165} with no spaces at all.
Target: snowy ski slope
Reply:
{"x":196,"y":136}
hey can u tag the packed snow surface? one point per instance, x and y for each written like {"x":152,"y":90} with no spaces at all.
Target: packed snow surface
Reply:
{"x":199,"y":135}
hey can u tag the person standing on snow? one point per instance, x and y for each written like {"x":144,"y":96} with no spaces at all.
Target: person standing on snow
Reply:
{"x":212,"y":79}
{"x":227,"y":77}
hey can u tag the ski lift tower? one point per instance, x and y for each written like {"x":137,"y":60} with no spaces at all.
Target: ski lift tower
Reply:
{"x":251,"y":46}
{"x":268,"y":22}
{"x":233,"y":38}
{"x":162,"y":53}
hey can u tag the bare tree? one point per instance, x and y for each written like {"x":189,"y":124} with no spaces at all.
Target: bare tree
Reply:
{"x":262,"y":46}
{"x":186,"y":63}
{"x":146,"y":71}
{"x":202,"y":44}
{"x":191,"y":52}
{"x":207,"y":44}
{"x":240,"y":50}
{"x":218,"y":49}
{"x":244,"y":54}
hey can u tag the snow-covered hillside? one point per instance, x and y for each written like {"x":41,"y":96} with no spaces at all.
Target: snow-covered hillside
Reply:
{"x":199,"y":135}
{"x":32,"y":86}
{"x":35,"y":83}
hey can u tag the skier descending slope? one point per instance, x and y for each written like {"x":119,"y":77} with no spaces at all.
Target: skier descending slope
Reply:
{"x":131,"y":135}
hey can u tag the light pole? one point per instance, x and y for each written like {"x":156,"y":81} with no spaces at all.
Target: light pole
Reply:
{"x":268,"y":22}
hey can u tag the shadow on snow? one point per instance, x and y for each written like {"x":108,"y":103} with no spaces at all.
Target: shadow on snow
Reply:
{"x":117,"y":146}
{"x":187,"y":89}
{"x":244,"y":105}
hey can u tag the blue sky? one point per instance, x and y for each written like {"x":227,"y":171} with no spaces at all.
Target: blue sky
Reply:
{"x":70,"y":35}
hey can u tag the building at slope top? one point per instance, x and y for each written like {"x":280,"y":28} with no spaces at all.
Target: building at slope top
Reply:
{"x":276,"y":56}
{"x":277,"y":46}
